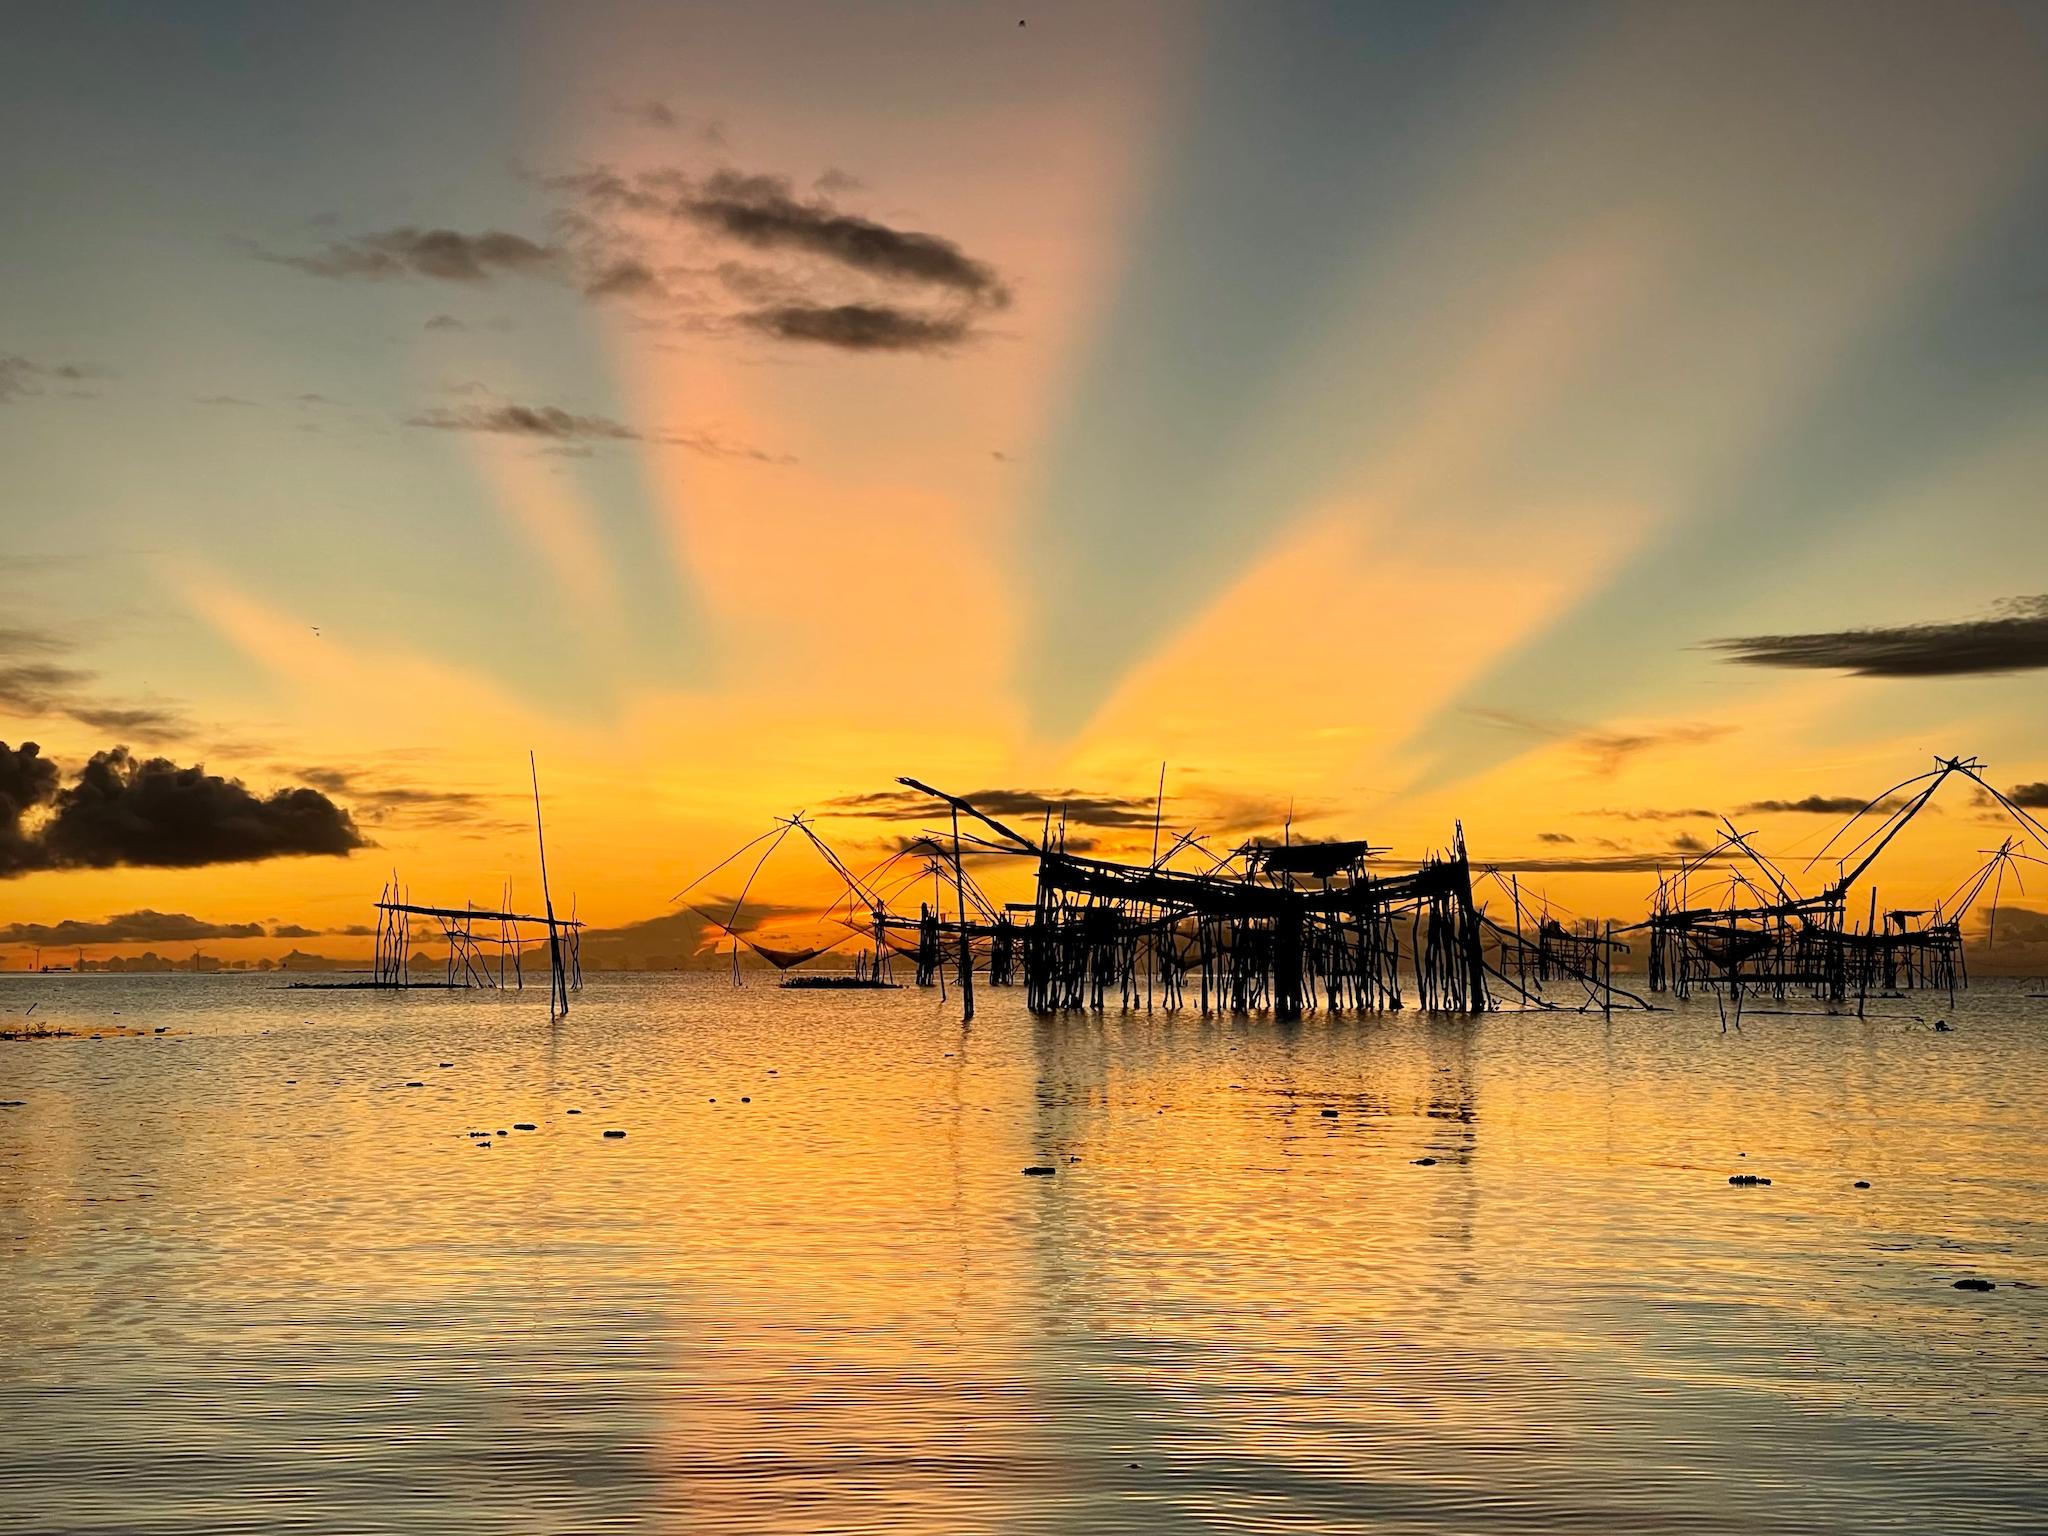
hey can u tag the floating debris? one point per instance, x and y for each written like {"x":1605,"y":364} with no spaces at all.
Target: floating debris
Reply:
{"x":1041,"y":1170}
{"x":1863,"y":1184}
{"x":1425,"y":1162}
{"x":615,"y":1135}
{"x":1746,"y":1179}
{"x":1329,"y":1114}
{"x":1973,"y":1284}
{"x":524,"y":1125}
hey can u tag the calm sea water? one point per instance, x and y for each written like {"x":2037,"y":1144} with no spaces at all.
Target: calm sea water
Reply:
{"x":255,"y":1281}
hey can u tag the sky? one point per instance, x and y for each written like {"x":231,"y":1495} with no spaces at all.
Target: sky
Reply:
{"x":1576,"y":421}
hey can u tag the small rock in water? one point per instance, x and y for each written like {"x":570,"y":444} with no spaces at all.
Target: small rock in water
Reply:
{"x":1329,"y":1114}
{"x":524,"y":1125}
{"x":1746,"y":1178}
{"x":13,"y":1103}
{"x":616,"y":1135}
{"x":447,"y":1063}
{"x":1425,"y":1162}
{"x":481,"y":1145}
{"x":575,"y":1111}
{"x":1863,"y":1183}
{"x":1974,"y":1284}
{"x":415,"y":1085}
{"x":501,"y":1133}
{"x":1041,"y":1169}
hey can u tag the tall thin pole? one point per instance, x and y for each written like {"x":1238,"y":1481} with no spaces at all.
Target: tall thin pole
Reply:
{"x":966,"y":950}
{"x":558,"y":988}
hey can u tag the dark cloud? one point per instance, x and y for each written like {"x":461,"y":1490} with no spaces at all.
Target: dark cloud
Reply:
{"x":761,"y":211}
{"x":21,"y":376}
{"x":1822,"y":805}
{"x":2031,"y":797}
{"x":380,"y":802}
{"x":28,"y":782}
{"x":140,"y":927}
{"x":41,"y":688}
{"x":444,"y":323}
{"x":1555,"y":837}
{"x":1657,"y":815}
{"x":293,"y":931}
{"x":1081,"y":808}
{"x":822,"y":291}
{"x":553,"y":426}
{"x":125,"y":810}
{"x":859,"y":327}
{"x":625,"y":277}
{"x":545,"y":421}
{"x":446,"y":255}
{"x":2015,"y":639}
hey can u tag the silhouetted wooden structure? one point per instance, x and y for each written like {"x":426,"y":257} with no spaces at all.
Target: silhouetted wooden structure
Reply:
{"x":1288,"y":928}
{"x":1764,"y":936}
{"x":486,"y":948}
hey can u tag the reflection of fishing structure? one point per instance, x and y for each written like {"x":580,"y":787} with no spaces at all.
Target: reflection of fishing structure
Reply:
{"x":1762,"y":935}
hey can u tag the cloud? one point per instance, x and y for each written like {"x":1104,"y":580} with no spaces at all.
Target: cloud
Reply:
{"x":568,"y":430}
{"x":293,"y":931}
{"x":445,"y":255}
{"x":33,"y":686}
{"x":1555,"y":837}
{"x":140,"y":927}
{"x":444,"y":323}
{"x":656,"y":114}
{"x":1822,"y":805}
{"x":838,"y":278}
{"x":625,"y":277}
{"x":21,"y":376}
{"x":1665,"y":815}
{"x":859,"y":327}
{"x":760,"y":211}
{"x":2015,"y":639}
{"x":399,"y":802}
{"x":2030,"y":797}
{"x":546,"y":421}
{"x":125,"y":810}
{"x":1080,"y":807}
{"x":1605,"y":750}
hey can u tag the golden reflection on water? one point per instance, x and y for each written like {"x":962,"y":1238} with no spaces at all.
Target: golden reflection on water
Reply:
{"x":256,"y":1281}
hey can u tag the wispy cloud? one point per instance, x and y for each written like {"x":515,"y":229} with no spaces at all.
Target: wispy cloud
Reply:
{"x":22,"y":376}
{"x":34,"y":686}
{"x":2013,"y":639}
{"x":446,"y":255}
{"x":1605,"y":749}
{"x":550,"y":424}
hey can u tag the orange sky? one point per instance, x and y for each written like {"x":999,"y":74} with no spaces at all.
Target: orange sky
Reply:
{"x":1384,"y":420}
